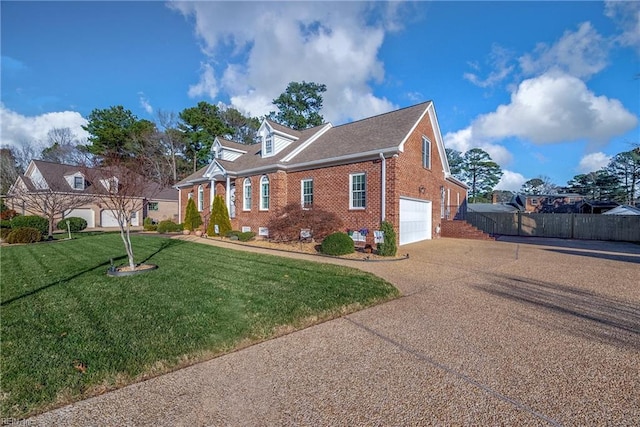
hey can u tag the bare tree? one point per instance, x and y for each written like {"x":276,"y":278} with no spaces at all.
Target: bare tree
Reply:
{"x":63,"y":146}
{"x":170,"y":139}
{"x":122,"y":185}
{"x":24,"y":153}
{"x":8,"y":169}
{"x":37,"y":197}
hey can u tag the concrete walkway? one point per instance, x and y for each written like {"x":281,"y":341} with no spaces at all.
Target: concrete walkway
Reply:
{"x":486,"y":333}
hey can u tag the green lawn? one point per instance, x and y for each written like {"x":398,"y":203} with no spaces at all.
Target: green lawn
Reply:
{"x":69,"y":331}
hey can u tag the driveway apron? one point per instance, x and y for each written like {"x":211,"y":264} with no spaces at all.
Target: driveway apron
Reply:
{"x":486,"y":333}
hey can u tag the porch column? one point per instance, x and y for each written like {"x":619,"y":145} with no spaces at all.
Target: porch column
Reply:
{"x":212,"y":191}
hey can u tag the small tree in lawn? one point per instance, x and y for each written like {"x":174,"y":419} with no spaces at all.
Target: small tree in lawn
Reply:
{"x":219,"y":217}
{"x":121,"y":185}
{"x":192,"y":218}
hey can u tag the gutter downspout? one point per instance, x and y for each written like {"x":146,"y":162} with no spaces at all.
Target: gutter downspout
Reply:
{"x":179,"y":206}
{"x":383,"y":186}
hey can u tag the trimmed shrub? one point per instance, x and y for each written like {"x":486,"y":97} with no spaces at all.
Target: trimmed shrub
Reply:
{"x":76,"y":224}
{"x":24,"y":235}
{"x":219,"y":217}
{"x":286,"y":226}
{"x":5,"y":223}
{"x":243,"y":236}
{"x":168,"y":226}
{"x":4,"y":232}
{"x":388,"y":247}
{"x":149,"y":224}
{"x":31,"y":221}
{"x":337,"y":244}
{"x":192,"y":218}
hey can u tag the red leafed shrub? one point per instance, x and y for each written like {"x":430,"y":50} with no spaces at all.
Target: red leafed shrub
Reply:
{"x":8,"y":214}
{"x":286,"y":226}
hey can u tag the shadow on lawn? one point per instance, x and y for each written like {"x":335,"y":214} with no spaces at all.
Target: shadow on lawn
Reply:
{"x":166,"y":244}
{"x":581,"y":312}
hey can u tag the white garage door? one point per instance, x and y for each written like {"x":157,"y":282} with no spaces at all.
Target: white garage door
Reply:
{"x":109,"y":219}
{"x":86,"y":214}
{"x":415,"y":220}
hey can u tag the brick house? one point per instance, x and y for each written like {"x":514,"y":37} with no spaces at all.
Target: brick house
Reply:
{"x":389,"y":167}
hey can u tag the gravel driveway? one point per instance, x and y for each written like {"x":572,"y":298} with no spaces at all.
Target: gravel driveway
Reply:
{"x":534,"y":332}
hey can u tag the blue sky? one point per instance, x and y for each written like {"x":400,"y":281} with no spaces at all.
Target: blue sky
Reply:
{"x":547,"y":88}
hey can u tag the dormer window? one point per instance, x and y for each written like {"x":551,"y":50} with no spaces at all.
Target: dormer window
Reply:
{"x":268,"y":144}
{"x":78,"y":183}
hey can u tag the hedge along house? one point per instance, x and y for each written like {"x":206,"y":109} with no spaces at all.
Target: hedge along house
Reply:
{"x":389,"y":167}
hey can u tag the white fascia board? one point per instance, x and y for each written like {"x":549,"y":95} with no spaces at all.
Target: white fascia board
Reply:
{"x":415,"y":125}
{"x":213,"y":167}
{"x":288,"y":136}
{"x":307,"y":143}
{"x":314,"y":164}
{"x":439,"y":141}
{"x":455,"y":180}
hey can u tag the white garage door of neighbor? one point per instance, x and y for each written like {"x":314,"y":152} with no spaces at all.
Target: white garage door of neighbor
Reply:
{"x":86,"y":214}
{"x":415,"y":220}
{"x":109,"y":219}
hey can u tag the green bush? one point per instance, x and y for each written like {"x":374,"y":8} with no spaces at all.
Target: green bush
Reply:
{"x":337,"y":244}
{"x":168,"y":226}
{"x":246,"y":236}
{"x":388,"y":247}
{"x":219,"y":217}
{"x":31,"y":221}
{"x":192,"y":218}
{"x":4,"y":232}
{"x":76,"y":224}
{"x":24,"y":235}
{"x":5,"y":223}
{"x":149,"y":225}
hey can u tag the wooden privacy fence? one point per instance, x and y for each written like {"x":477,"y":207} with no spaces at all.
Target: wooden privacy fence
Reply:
{"x":566,"y":226}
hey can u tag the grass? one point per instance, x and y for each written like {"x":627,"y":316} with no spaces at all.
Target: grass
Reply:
{"x":69,"y":331}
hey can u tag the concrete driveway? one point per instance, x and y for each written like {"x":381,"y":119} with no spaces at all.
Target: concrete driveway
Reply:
{"x":487,"y":333}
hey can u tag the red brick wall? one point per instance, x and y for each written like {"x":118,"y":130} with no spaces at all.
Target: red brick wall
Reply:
{"x":415,"y":181}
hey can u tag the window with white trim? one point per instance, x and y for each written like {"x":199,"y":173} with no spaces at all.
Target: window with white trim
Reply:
{"x":358,"y":191}
{"x":153,"y":206}
{"x":78,"y":183}
{"x":264,"y":193}
{"x":246,"y":194}
{"x":268,"y":144}
{"x":200,"y":198}
{"x":306,"y":193}
{"x":426,"y":153}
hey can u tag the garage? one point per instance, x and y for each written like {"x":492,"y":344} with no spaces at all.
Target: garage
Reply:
{"x":108,"y":218}
{"x":415,"y":220}
{"x":86,"y":214}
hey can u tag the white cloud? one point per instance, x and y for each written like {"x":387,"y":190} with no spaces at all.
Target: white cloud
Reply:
{"x":582,"y":54}
{"x":627,"y":15}
{"x":207,"y":86}
{"x":554,"y":108}
{"x":266,"y":45}
{"x":464,"y":140}
{"x":16,"y":128}
{"x":499,"y":59}
{"x":593,"y":162}
{"x":511,"y":181}
{"x":144,"y":103}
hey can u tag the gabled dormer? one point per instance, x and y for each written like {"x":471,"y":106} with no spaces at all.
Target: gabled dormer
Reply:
{"x":76,"y":181}
{"x":273,"y":139}
{"x":111,"y":184}
{"x":222,"y":151}
{"x":36,"y":177}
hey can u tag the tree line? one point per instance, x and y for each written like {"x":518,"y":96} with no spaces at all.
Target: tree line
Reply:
{"x":175,"y":144}
{"x":618,"y":181}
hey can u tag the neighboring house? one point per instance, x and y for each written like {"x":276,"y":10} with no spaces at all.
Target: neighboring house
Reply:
{"x":389,"y":167}
{"x":491,"y":208}
{"x":547,"y":203}
{"x":623,"y":210}
{"x":62,"y":179}
{"x":596,"y":206}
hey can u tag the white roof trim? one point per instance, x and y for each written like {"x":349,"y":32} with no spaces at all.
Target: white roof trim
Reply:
{"x":214,"y":167}
{"x":216,"y":142}
{"x":415,"y":125}
{"x":308,"y":142}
